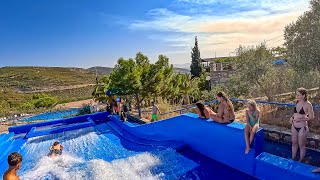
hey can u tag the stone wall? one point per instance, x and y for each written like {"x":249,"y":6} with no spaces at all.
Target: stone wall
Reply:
{"x":220,"y":73}
{"x":282,"y":134}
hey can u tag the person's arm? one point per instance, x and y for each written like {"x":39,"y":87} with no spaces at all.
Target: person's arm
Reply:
{"x":158,"y":110}
{"x":251,"y":116}
{"x":220,"y":111}
{"x":247,"y":119}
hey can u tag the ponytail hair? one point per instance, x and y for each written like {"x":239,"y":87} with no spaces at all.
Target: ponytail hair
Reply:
{"x":224,"y":97}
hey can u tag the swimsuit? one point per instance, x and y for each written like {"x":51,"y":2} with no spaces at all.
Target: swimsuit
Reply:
{"x":300,"y":112}
{"x":154,"y":116}
{"x":251,"y":121}
{"x":55,"y":151}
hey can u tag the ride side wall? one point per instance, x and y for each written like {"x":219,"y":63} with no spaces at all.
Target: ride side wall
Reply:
{"x":221,"y":142}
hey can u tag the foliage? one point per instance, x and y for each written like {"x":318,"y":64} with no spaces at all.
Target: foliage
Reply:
{"x":138,"y":78}
{"x":302,"y":40}
{"x":196,"y":66}
{"x":30,"y":78}
{"x":85,"y":109}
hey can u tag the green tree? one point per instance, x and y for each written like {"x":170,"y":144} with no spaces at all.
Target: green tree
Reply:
{"x":140,"y":79}
{"x":196,"y":66}
{"x":253,"y":64}
{"x":302,"y":40}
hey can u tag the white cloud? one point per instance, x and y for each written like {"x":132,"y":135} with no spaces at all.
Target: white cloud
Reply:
{"x":246,"y":22}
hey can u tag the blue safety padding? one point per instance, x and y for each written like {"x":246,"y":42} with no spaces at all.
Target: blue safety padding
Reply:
{"x":77,"y":119}
{"x":139,"y":140}
{"x":221,"y":142}
{"x":270,"y":166}
{"x":33,"y":132}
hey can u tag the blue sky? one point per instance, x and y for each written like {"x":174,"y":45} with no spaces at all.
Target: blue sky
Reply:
{"x":89,"y":33}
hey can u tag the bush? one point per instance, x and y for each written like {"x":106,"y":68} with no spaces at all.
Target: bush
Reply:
{"x":45,"y":102}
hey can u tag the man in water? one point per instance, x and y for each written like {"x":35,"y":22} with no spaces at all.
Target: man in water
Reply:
{"x":56,"y":149}
{"x":155,"y":111}
{"x":15,"y":162}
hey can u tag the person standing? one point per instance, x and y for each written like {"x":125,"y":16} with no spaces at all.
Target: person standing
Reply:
{"x":303,"y":112}
{"x":155,"y":110}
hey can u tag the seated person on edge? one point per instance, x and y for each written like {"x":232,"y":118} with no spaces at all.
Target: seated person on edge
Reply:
{"x":56,"y":149}
{"x":253,"y":118}
{"x":15,"y":162}
{"x":225,"y":110}
{"x":203,"y":111}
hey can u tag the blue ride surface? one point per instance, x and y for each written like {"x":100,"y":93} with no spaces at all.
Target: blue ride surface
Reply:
{"x":100,"y":146}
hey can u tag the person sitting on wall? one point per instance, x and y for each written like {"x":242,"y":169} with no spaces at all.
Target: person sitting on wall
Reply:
{"x":203,"y":111}
{"x":225,"y":110}
{"x":15,"y":162}
{"x":253,"y":118}
{"x":303,"y":112}
{"x":56,"y":149}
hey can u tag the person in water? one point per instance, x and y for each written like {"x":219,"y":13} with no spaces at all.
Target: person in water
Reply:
{"x":203,"y":111}
{"x":253,"y":118}
{"x":303,"y":112}
{"x":56,"y":149}
{"x":15,"y":162}
{"x":225,"y":110}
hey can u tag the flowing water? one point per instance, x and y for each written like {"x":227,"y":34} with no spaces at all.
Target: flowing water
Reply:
{"x":92,"y":155}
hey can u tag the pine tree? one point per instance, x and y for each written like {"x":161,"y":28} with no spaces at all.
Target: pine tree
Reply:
{"x":196,"y":66}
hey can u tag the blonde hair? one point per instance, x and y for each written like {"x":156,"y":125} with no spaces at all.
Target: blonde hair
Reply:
{"x":253,"y":103}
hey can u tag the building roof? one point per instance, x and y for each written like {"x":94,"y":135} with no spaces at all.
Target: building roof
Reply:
{"x":279,"y":61}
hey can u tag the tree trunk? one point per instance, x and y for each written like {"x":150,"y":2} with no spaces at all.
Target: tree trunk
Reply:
{"x":138,"y":105}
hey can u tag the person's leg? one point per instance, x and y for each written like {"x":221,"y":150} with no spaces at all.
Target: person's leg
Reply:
{"x":216,"y":118}
{"x":246,"y":138}
{"x":294,"y":137}
{"x":253,"y":132}
{"x":302,"y":139}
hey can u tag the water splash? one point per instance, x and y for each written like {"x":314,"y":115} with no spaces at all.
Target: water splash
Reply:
{"x":99,"y":156}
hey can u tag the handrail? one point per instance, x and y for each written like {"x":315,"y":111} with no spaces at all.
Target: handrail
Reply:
{"x":236,"y":100}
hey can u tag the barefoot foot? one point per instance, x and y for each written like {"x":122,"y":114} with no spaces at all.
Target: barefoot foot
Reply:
{"x":316,"y":170}
{"x":247,"y":150}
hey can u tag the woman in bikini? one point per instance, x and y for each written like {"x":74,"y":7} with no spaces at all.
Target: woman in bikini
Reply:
{"x":303,"y":112}
{"x":225,"y":110}
{"x":203,"y":111}
{"x":253,"y":119}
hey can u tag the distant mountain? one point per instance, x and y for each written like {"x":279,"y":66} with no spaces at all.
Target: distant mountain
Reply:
{"x":184,"y":66}
{"x":101,"y":70}
{"x":108,"y":70}
{"x":181,"y":70}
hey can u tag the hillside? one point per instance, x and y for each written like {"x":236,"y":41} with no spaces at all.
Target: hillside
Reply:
{"x":108,"y":70}
{"x":40,"y":78}
{"x":100,"y":70}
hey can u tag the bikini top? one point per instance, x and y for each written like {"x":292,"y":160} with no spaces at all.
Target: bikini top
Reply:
{"x":300,"y":112}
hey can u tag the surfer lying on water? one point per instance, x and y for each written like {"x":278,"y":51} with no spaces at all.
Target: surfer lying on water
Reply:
{"x":56,"y":149}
